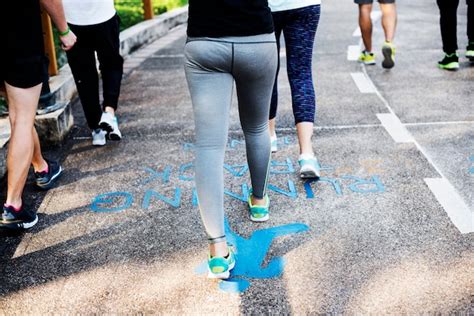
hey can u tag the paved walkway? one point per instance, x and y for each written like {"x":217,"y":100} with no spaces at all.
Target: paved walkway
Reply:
{"x":387,"y":229}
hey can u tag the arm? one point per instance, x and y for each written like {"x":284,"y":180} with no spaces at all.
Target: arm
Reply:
{"x":56,"y":12}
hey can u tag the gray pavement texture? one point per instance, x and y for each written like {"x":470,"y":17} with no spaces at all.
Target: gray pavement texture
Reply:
{"x":121,"y":233}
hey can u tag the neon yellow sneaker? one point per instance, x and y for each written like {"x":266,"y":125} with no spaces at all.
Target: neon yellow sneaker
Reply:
{"x":367,"y":58}
{"x":388,"y":51}
{"x":470,"y":52}
{"x":449,"y":62}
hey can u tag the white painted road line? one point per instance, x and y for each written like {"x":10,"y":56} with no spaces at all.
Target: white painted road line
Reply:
{"x":363,"y":82}
{"x":452,"y":203}
{"x":357,"y":32}
{"x":353,"y":52}
{"x":395,"y":128}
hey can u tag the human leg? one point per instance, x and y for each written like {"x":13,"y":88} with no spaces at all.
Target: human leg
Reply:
{"x":365,"y":24}
{"x":210,"y":84}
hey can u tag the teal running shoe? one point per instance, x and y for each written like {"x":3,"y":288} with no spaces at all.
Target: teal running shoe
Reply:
{"x":309,"y":167}
{"x":274,"y":143}
{"x":259,"y":213}
{"x":220,"y":267}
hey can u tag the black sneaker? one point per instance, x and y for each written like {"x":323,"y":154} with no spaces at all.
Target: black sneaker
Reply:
{"x":449,"y":62}
{"x":46,"y":180}
{"x":13,"y":219}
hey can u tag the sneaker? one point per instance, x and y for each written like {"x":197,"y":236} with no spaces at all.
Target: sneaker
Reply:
{"x":46,"y":180}
{"x":470,"y":52}
{"x":220,"y":267}
{"x":309,"y":167}
{"x":17,"y":219}
{"x":274,"y":142}
{"x":259,"y":213}
{"x":388,"y":51}
{"x":98,"y":137}
{"x":109,"y":123}
{"x":367,"y":58}
{"x":449,"y":62}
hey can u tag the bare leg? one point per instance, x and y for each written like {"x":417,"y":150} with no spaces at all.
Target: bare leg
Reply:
{"x":22,"y":106}
{"x":365,"y":24}
{"x":389,"y":20}
{"x":219,"y":249}
{"x":305,"y":132}
{"x":272,"y":127}
{"x":110,"y":110}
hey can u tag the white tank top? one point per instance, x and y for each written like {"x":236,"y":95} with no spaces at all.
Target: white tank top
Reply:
{"x":88,"y":12}
{"x":283,"y":5}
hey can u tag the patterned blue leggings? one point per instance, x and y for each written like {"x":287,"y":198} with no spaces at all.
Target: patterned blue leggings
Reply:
{"x":299,"y":29}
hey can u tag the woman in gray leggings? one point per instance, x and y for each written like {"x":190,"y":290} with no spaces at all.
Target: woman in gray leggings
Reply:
{"x":229,"y":41}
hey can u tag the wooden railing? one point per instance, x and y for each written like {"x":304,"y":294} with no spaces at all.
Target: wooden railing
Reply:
{"x":49,"y":38}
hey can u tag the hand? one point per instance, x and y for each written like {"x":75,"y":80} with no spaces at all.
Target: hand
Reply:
{"x":68,"y":41}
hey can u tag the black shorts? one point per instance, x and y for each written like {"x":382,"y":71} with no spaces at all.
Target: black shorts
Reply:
{"x":22,"y":60}
{"x":372,"y":1}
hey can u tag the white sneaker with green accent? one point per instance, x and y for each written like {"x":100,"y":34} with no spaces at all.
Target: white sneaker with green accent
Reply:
{"x":309,"y":166}
{"x":98,"y":137}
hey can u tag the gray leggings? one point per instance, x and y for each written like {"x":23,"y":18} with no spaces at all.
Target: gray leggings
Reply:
{"x":212,"y":66}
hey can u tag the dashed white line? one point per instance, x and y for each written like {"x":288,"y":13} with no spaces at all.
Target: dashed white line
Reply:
{"x":395,"y":128}
{"x":452,"y":203}
{"x":363,"y":82}
{"x":353,"y":52}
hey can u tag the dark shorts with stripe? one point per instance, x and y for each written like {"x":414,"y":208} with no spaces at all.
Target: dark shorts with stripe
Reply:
{"x":22,"y":60}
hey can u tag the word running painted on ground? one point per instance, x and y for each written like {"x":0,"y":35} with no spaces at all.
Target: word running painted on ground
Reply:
{"x":340,"y":185}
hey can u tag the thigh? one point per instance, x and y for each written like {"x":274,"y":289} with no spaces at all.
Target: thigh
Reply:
{"x":299,"y":33}
{"x":254,"y":73}
{"x":107,"y":41}
{"x":210,"y":85}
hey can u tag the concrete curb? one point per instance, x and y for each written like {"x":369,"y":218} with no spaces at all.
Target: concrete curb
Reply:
{"x":54,"y":127}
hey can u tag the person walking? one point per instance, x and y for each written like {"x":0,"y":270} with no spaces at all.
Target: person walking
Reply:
{"x":298,"y":21}
{"x":229,"y":41}
{"x":23,"y":69}
{"x":96,"y":24}
{"x":389,"y":24}
{"x":448,"y":24}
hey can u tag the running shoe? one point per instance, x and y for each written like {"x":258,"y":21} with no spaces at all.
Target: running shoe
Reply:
{"x":220,"y":267}
{"x":388,"y":51}
{"x":99,"y":137}
{"x":109,"y":123}
{"x":449,"y":62}
{"x":470,"y":51}
{"x":259,"y":213}
{"x":367,"y":58}
{"x":274,"y":142}
{"x":17,"y":219}
{"x":309,"y":167}
{"x":46,"y":179}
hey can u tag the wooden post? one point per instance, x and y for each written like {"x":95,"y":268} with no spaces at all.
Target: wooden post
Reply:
{"x":148,"y":8}
{"x":49,"y":48}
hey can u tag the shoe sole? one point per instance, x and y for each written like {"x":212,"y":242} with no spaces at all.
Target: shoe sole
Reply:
{"x":114,"y":137}
{"x":450,"y":66}
{"x":388,"y":62}
{"x":223,"y":275}
{"x":309,"y":174}
{"x":106,"y":127}
{"x":260,"y":219}
{"x":367,"y":63}
{"x":99,"y":144}
{"x":51,"y":182}
{"x":19,"y":226}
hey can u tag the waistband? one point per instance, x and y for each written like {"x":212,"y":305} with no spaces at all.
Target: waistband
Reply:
{"x":253,"y":39}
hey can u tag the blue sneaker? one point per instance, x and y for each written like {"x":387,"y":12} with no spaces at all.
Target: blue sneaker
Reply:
{"x":220,"y":267}
{"x":259,"y":213}
{"x":309,"y":167}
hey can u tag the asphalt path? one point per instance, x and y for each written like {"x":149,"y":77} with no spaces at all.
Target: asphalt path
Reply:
{"x":387,"y":229}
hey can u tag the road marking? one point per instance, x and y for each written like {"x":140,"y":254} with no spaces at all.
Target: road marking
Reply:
{"x":357,"y":32}
{"x":353,"y":52}
{"x":452,"y":203}
{"x":395,"y":128}
{"x":363,"y":82}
